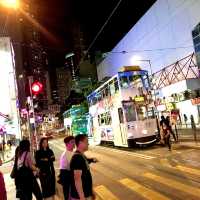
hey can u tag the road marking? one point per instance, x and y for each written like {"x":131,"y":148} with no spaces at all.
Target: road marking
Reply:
{"x":188,"y":170}
{"x":128,"y":153}
{"x":104,"y":193}
{"x":60,"y":147}
{"x":165,"y":162}
{"x":182,"y":168}
{"x":174,"y":184}
{"x":138,"y":155}
{"x":142,"y":190}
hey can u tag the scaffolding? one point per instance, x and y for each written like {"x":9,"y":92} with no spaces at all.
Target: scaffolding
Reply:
{"x":183,"y":69}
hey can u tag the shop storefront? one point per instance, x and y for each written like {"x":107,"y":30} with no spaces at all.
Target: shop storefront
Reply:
{"x":182,"y":97}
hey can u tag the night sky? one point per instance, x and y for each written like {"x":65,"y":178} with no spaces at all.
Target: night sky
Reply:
{"x":92,"y":14}
{"x":59,"y":17}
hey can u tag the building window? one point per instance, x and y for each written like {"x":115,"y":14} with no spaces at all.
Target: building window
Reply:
{"x":196,"y":41}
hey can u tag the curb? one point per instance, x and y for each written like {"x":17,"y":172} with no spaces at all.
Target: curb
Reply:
{"x":191,"y":146}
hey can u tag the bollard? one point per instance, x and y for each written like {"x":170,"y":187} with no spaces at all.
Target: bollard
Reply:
{"x":193,"y":127}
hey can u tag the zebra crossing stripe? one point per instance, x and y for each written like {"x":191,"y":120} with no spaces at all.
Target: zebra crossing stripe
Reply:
{"x":188,"y":170}
{"x":104,"y":193}
{"x":142,"y":190}
{"x":174,"y":184}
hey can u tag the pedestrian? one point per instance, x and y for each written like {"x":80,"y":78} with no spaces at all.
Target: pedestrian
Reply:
{"x":9,"y":143}
{"x":36,"y":189}
{"x":185,"y":119}
{"x":44,"y":161}
{"x":162,"y":120}
{"x":25,"y":168}
{"x":3,"y":195}
{"x":82,"y":186}
{"x":193,"y":125}
{"x":65,"y":159}
{"x":13,"y":173}
{"x":168,"y":123}
{"x":2,"y":151}
{"x":166,"y":135}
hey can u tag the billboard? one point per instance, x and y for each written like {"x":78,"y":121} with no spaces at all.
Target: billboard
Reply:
{"x":8,"y":88}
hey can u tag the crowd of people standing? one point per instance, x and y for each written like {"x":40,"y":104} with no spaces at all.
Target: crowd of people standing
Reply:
{"x":35,"y":175}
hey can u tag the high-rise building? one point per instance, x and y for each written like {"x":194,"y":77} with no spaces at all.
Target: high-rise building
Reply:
{"x":64,"y":83}
{"x":35,"y":57}
{"x":55,"y":97}
{"x":30,"y":57}
{"x":10,"y":26}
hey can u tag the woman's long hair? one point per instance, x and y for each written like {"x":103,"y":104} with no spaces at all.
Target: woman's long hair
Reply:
{"x":24,"y":146}
{"x":41,"y":142}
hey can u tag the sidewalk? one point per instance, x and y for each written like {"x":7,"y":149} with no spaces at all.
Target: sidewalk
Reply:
{"x":192,"y":145}
{"x":8,"y":154}
{"x":188,"y":135}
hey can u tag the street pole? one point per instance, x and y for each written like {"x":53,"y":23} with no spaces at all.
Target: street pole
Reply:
{"x":31,"y":107}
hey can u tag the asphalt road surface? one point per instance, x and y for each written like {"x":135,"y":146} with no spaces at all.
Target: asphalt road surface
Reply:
{"x":154,"y":173}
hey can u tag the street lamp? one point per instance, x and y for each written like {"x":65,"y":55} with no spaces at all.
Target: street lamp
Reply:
{"x":137,"y":60}
{"x":10,"y":3}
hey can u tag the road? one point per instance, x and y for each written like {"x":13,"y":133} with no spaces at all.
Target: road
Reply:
{"x":154,"y":173}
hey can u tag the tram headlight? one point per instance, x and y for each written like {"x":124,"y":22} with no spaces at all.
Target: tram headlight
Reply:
{"x":145,"y":132}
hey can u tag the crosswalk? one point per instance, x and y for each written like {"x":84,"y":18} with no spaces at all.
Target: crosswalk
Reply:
{"x":61,"y":147}
{"x":174,"y":182}
{"x":142,"y":190}
{"x":153,"y":193}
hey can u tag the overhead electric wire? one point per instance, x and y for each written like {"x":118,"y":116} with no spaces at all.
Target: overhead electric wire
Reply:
{"x":144,"y":50}
{"x":102,"y":28}
{"x":113,"y":52}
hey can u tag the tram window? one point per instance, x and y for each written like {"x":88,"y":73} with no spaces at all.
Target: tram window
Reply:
{"x":130,"y":113}
{"x":116,"y":85}
{"x":99,"y":120}
{"x":141,"y":113}
{"x":131,"y":79}
{"x":108,"y":119}
{"x":99,"y":97}
{"x":124,"y":81}
{"x":107,"y":91}
{"x":151,"y":113}
{"x":102,"y":121}
{"x":112,"y":88}
{"x":94,"y":100}
{"x":121,"y":116}
{"x":103,"y":93}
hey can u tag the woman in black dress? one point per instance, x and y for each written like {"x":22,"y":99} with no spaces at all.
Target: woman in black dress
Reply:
{"x":44,"y":161}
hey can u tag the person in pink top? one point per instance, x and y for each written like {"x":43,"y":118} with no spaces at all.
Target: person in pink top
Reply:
{"x":3,"y":195}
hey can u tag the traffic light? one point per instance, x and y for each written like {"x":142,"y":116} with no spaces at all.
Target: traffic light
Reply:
{"x":36,"y":87}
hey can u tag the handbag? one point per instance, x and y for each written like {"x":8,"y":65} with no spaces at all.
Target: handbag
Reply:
{"x":24,"y":179}
{"x":24,"y":172}
{"x":13,"y":173}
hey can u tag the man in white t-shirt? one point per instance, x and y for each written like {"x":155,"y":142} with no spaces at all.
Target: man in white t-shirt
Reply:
{"x":65,"y":159}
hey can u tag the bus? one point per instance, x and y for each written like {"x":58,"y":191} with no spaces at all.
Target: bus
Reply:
{"x":122,"y":110}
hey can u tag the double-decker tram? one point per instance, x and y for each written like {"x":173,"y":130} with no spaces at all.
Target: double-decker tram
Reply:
{"x":122,"y":110}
